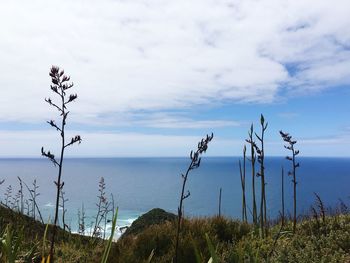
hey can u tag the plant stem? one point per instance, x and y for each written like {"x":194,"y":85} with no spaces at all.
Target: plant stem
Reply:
{"x":282,"y":175}
{"x":220,"y":202}
{"x":59,"y":178}
{"x":179,"y":211}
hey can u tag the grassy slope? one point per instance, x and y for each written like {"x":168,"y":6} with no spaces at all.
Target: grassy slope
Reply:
{"x":315,"y":241}
{"x":69,"y":248}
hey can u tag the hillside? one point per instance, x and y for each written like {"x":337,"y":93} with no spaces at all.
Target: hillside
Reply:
{"x":29,"y":234}
{"x":317,"y":239}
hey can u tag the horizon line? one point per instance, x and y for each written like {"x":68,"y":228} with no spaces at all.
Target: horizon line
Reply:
{"x":178,"y":156}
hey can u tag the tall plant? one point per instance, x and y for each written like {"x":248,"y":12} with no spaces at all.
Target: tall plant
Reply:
{"x":220,"y":193}
{"x":64,"y":210}
{"x":282,"y":196}
{"x":252,"y":160}
{"x":242,"y":174}
{"x":195,"y":162}
{"x":102,"y":208}
{"x":81,"y":220}
{"x":290,"y":146}
{"x":34,"y":194}
{"x":20,"y":192}
{"x":60,"y":86}
{"x":261,"y":160}
{"x":8,"y":195}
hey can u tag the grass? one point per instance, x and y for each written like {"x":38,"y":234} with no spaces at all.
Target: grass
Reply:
{"x":316,"y":239}
{"x":71,"y":248}
{"x":235,"y":241}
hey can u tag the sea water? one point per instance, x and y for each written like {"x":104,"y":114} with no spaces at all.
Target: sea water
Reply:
{"x":140,"y":184}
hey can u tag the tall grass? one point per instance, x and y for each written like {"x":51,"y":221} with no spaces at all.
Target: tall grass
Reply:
{"x":109,"y":243}
{"x":34,"y":194}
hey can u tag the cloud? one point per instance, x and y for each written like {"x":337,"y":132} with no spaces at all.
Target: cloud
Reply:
{"x":134,"y":144}
{"x":336,"y":145}
{"x":161,"y":120}
{"x":153,"y":55}
{"x":187,"y":123}
{"x":327,"y":140}
{"x":109,"y":144}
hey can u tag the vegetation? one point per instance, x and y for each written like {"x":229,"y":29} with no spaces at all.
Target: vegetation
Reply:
{"x":261,"y":160}
{"x":155,"y":216}
{"x":289,"y":140}
{"x":18,"y":230}
{"x":318,"y":238}
{"x":60,"y":85}
{"x":236,"y":241}
{"x":195,"y":163}
{"x":252,"y":143}
{"x":104,"y":207}
{"x":242,"y":176}
{"x":282,"y":197}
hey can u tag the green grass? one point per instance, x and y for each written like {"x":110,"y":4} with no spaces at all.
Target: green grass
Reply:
{"x":222,"y":239}
{"x":70,"y":247}
{"x":235,"y":241}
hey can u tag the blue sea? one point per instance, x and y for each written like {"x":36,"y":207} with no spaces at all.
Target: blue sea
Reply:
{"x":140,"y":184}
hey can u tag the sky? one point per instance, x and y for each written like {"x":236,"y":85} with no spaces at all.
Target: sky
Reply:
{"x":153,"y":77}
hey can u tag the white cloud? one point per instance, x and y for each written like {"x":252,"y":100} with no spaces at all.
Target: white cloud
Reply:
{"x":131,"y":144}
{"x":186,"y":123}
{"x":156,"y":55}
{"x":161,"y":120}
{"x":109,"y":144}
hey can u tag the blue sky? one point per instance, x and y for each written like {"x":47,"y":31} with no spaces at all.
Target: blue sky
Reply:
{"x":153,"y":77}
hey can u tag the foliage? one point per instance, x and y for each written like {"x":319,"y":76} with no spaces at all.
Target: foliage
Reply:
{"x":315,"y":240}
{"x":222,"y":231}
{"x":107,"y":249}
{"x":152,"y":217}
{"x":69,"y":248}
{"x":234,"y":241}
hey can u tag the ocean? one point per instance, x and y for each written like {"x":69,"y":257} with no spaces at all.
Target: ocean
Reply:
{"x":140,"y":184}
